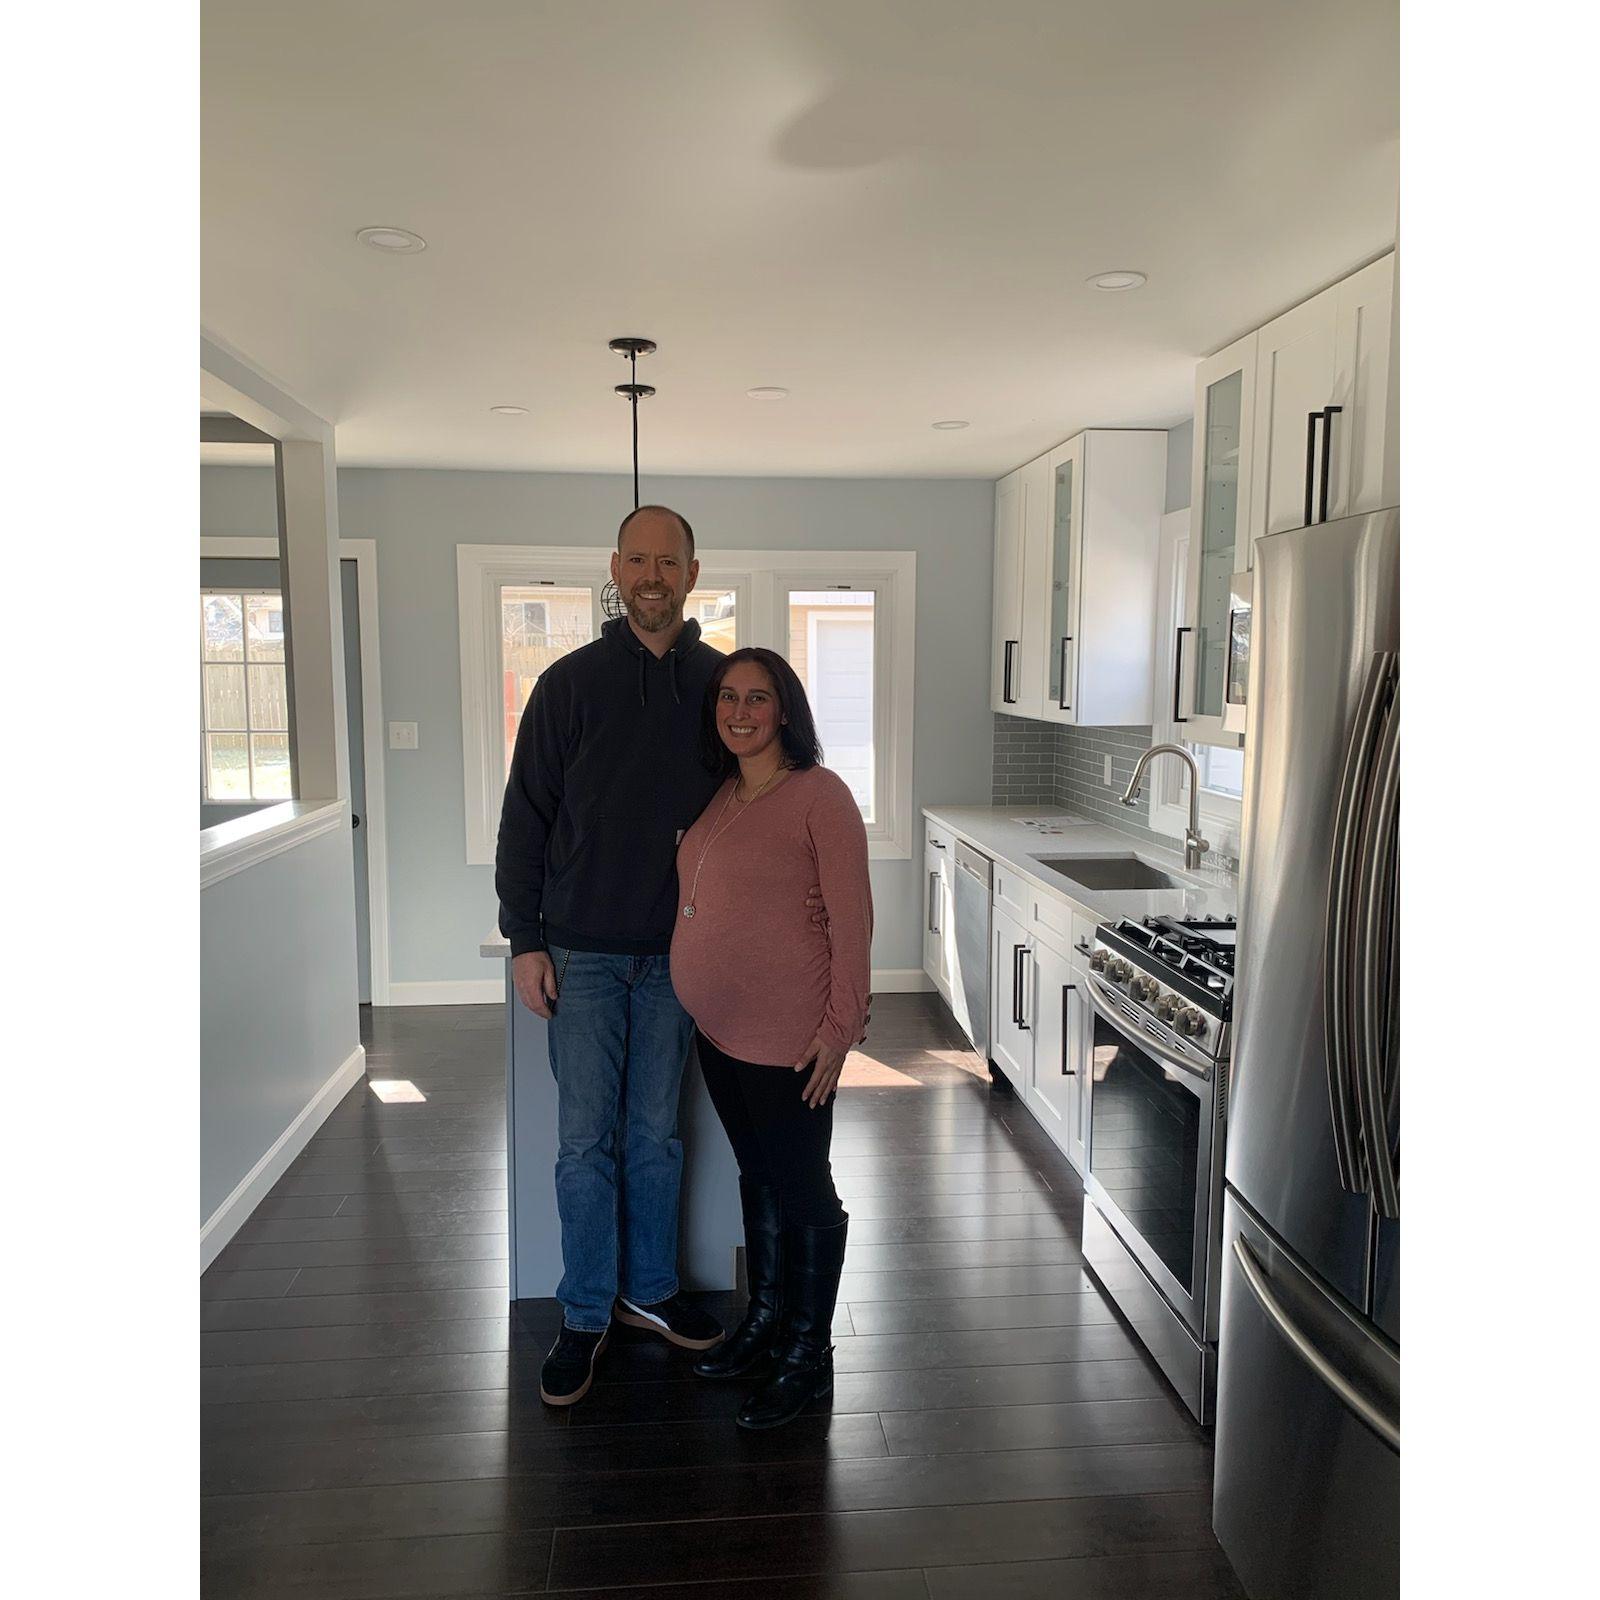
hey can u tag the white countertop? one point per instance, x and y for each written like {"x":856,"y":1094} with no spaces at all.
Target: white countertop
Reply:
{"x":495,"y":946}
{"x":998,"y":832}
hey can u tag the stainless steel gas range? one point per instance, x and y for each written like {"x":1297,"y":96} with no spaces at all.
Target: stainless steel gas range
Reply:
{"x":1161,"y":991}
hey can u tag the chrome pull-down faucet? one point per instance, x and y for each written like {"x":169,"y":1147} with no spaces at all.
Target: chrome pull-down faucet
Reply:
{"x":1194,"y":847}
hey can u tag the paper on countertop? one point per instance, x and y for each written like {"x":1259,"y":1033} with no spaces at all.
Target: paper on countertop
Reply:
{"x":1051,"y":824}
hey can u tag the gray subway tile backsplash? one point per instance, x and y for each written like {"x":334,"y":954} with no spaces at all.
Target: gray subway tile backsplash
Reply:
{"x":1043,"y":764}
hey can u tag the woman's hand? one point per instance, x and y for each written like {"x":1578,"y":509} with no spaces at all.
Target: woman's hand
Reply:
{"x":826,"y":1064}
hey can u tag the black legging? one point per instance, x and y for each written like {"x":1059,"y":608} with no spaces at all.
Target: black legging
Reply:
{"x":777,"y":1138}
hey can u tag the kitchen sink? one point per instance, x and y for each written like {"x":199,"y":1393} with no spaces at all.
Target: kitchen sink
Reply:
{"x":1109,"y":872}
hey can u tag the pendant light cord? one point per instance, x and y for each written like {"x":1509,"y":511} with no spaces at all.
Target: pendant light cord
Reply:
{"x":633,"y":399}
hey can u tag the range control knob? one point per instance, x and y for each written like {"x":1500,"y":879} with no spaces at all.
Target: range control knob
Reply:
{"x":1144,"y":989}
{"x":1168,"y":1006}
{"x":1099,"y":961}
{"x":1191,"y":1023}
{"x":1118,"y":970}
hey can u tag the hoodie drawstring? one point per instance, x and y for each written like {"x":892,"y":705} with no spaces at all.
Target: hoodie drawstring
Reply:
{"x":641,"y":677}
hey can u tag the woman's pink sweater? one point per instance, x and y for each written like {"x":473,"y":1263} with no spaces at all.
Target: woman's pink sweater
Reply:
{"x":758,"y":976}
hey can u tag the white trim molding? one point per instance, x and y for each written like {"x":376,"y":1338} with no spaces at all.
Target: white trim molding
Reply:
{"x":252,"y":1189}
{"x":901,"y":980}
{"x":247,"y":841}
{"x":449,"y":992}
{"x":760,"y":579}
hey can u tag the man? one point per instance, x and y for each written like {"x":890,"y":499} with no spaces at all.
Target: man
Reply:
{"x":605,"y":778}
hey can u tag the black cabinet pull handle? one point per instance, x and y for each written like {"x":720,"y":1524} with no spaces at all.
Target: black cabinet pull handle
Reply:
{"x":1016,"y":984}
{"x":1177,"y":676}
{"x":1005,"y":692}
{"x":1311,"y":458}
{"x":1328,"y":414}
{"x":1062,"y":703}
{"x":1022,"y":992}
{"x":1066,"y":1071}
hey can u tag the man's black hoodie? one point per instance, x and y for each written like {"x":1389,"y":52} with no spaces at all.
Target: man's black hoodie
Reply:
{"x":606,"y":775}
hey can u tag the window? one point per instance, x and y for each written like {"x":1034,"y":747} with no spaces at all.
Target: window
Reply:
{"x":244,"y":698}
{"x":845,"y":619}
{"x":1221,"y":766}
{"x":537,"y":626}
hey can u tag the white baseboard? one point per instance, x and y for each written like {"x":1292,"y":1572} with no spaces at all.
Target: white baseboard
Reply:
{"x":235,"y":1211}
{"x":450,"y":992}
{"x":900,"y":980}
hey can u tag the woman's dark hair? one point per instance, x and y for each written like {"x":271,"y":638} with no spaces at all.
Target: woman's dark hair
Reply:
{"x":798,"y":733}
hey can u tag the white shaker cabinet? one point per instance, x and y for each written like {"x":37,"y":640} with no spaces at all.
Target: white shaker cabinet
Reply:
{"x":1010,"y":1022}
{"x":938,"y":908}
{"x":1219,"y":497}
{"x":1021,"y":518}
{"x":1055,"y":1083}
{"x":1101,"y":541}
{"x":1322,"y":407}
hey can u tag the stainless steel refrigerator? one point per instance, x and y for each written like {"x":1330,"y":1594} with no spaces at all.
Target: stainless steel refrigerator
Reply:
{"x":1307,"y":1498}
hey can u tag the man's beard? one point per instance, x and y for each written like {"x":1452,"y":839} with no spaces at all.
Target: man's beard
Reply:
{"x":661,"y":615}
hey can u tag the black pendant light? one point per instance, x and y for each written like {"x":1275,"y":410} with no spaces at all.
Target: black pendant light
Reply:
{"x":633,"y":391}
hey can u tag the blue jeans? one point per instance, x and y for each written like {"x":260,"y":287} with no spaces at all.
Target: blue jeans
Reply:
{"x":618,"y":1043}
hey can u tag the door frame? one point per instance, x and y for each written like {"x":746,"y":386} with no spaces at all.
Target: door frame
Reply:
{"x":364,"y":552}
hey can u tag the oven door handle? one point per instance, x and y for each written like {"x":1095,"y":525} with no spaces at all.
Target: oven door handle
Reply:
{"x":1103,"y":999}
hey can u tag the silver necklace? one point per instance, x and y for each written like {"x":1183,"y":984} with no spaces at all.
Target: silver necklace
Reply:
{"x":720,"y":828}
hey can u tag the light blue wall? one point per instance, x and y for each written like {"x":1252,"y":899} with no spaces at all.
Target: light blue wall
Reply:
{"x":440,"y":907}
{"x":277,"y":1002}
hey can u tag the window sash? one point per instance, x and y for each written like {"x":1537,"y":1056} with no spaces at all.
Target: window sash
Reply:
{"x":247,"y":665}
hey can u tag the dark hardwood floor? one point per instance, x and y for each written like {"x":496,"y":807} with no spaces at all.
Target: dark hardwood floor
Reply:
{"x":371,"y":1422}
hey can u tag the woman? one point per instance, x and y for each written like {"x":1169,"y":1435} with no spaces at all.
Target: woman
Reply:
{"x":778,"y":999}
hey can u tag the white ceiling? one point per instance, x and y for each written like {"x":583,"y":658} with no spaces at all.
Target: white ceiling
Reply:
{"x":886,"y":206}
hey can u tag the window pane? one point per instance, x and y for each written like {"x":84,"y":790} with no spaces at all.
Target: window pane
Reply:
{"x":227,"y":767}
{"x":1222,"y":771}
{"x":269,"y":696}
{"x":831,"y":638}
{"x":269,"y":762}
{"x":265,"y":612}
{"x":225,"y":697}
{"x":715,"y":611}
{"x":539,"y":624}
{"x":222,"y":622}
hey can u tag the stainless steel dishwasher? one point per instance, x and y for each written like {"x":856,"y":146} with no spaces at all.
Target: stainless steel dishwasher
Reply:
{"x":969,"y":990}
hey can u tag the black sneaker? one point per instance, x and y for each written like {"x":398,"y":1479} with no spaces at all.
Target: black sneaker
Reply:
{"x":569,"y":1368}
{"x":675,"y":1320}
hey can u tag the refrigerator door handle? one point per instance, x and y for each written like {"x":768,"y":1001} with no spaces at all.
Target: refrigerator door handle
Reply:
{"x":1375,"y":954}
{"x":1386,"y":1428}
{"x":1338,"y":945}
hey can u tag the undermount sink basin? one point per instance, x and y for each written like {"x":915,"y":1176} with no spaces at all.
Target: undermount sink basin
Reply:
{"x":1109,"y":872}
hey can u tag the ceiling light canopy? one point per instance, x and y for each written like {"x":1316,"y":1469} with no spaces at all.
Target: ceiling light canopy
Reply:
{"x":395,"y":241}
{"x":768,"y":393}
{"x":509,"y":411}
{"x":1114,"y":281}
{"x":951,"y":424}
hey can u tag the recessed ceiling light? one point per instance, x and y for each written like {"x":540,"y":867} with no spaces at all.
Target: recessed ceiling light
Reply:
{"x":768,"y":394}
{"x":1118,"y":280}
{"x":397,"y":241}
{"x":951,"y":425}
{"x":509,"y":411}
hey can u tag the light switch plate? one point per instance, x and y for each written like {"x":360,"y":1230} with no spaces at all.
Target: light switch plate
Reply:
{"x":402,"y":736}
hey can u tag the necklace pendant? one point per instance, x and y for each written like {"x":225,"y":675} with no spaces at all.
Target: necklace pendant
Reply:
{"x":688,"y":911}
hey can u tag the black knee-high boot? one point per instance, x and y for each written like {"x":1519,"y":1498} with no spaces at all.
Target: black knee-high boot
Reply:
{"x":750,"y":1345}
{"x":813,"y":1261}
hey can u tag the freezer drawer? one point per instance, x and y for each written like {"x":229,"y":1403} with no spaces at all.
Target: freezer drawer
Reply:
{"x":1307,"y":1497}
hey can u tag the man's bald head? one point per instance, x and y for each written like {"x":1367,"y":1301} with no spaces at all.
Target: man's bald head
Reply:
{"x":654,"y":513}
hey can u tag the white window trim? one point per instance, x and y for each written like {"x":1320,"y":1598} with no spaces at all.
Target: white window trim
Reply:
{"x":760,"y":579}
{"x":1169,"y":799}
{"x":249,"y":730}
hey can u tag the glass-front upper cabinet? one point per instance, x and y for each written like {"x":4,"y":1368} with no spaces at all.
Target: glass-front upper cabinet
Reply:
{"x":1064,"y":571}
{"x":1219,"y":522}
